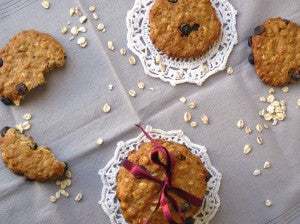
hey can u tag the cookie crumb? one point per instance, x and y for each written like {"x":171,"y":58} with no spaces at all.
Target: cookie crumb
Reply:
{"x":45,"y":4}
{"x":268,"y":203}
{"x":99,"y":141}
{"x":78,"y":197}
{"x":247,"y":149}
{"x":123,"y":51}
{"x":182,"y":99}
{"x":110,"y":45}
{"x":106,"y":108}
{"x":187,"y":117}
{"x":132,"y":60}
{"x":256,"y":172}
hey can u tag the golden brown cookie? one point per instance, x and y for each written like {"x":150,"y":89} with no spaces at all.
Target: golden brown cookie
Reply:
{"x":24,"y":62}
{"x":276,"y":51}
{"x":138,"y":197}
{"x":184,"y":28}
{"x":22,"y":156}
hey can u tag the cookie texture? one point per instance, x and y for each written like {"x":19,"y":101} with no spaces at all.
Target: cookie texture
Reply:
{"x":22,"y":156}
{"x":24,"y":62}
{"x":184,"y":28}
{"x":139,"y":197}
{"x":276,"y":51}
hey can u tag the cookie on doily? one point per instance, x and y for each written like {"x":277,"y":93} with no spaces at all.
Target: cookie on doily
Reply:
{"x":24,"y":62}
{"x":24,"y":157}
{"x":276,"y":51}
{"x":139,"y":198}
{"x":184,"y":28}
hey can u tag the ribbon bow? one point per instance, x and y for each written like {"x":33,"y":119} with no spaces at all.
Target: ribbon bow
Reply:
{"x":165,"y":199}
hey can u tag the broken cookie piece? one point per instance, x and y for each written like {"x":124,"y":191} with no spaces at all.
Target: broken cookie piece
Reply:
{"x":24,"y":157}
{"x":24,"y":62}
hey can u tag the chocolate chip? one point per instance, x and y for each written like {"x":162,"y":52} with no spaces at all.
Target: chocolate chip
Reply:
{"x":66,"y":166}
{"x":21,"y":89}
{"x":1,"y":62}
{"x":35,"y":146}
{"x":173,"y":1}
{"x":295,"y":75}
{"x":286,"y":21}
{"x":185,"y":207}
{"x":4,"y":130}
{"x":250,"y":41}
{"x":189,"y":221}
{"x":181,"y":157}
{"x":195,"y":27}
{"x":251,"y":59}
{"x":6,"y":101}
{"x":185,"y":29}
{"x":259,"y":30}
{"x":208,"y":177}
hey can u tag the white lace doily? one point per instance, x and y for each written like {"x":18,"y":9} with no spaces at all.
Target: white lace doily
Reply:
{"x":177,"y":71}
{"x":109,"y":201}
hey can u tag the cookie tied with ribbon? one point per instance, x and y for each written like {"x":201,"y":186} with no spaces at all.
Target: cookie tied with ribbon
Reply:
{"x":161,"y":182}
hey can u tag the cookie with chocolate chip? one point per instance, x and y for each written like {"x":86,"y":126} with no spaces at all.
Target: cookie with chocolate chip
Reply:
{"x":276,"y":51}
{"x":139,"y":197}
{"x":184,"y":28}
{"x":24,"y":62}
{"x":24,"y":157}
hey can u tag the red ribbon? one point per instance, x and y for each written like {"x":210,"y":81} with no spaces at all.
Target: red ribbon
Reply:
{"x":165,"y":200}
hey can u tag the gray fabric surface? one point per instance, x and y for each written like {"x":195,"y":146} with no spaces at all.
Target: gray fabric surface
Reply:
{"x":67,"y":118}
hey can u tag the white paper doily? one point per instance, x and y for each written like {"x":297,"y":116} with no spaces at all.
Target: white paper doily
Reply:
{"x":109,"y":201}
{"x":177,"y":71}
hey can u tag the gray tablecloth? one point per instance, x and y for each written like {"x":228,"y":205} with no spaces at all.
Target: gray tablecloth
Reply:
{"x":67,"y":117}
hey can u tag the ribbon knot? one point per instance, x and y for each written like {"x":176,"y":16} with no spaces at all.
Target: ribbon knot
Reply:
{"x":165,"y":199}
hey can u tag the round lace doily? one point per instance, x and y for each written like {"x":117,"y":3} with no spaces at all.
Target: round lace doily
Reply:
{"x":109,"y":201}
{"x":177,"y":71}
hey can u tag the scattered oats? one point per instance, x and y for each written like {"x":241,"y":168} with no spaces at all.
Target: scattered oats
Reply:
{"x":268,"y":203}
{"x":141,"y":85}
{"x":27,"y":116}
{"x":247,"y":149}
{"x":271,"y":109}
{"x":266,"y":126}
{"x":63,"y":185}
{"x":157,"y":59}
{"x":95,"y":16}
{"x":298,"y":102}
{"x":162,"y":67}
{"x":58,"y":182}
{"x":68,"y":182}
{"x":83,"y":19}
{"x":192,"y":105}
{"x":110,"y":86}
{"x":106,"y":108}
{"x":261,"y":112}
{"x":256,"y":172}
{"x":100,"y":27}
{"x":240,"y":124}
{"x":78,"y":11}
{"x":99,"y":141}
{"x":64,"y":193}
{"x":64,"y":29}
{"x":229,"y":70}
{"x":123,"y":51}
{"x":259,"y":128}
{"x":26,"y":125}
{"x":52,"y":199}
{"x":132,"y":60}
{"x":285,"y":89}
{"x":262,"y":99}
{"x":268,"y":117}
{"x":72,"y":11}
{"x":92,"y":8}
{"x":57,"y":195}
{"x":82,"y":29}
{"x":78,"y":197}
{"x":259,"y":140}
{"x":194,"y":124}
{"x":267,"y":165}
{"x":248,"y":130}
{"x":132,"y":93}
{"x":187,"y":117}
{"x":271,"y":91}
{"x":204,"y":119}
{"x":68,"y":174}
{"x":45,"y":4}
{"x":110,"y":45}
{"x":19,"y":127}
{"x":182,"y":99}
{"x":280,"y":116}
{"x":74,"y":30}
{"x":82,"y":42}
{"x":270,"y":98}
